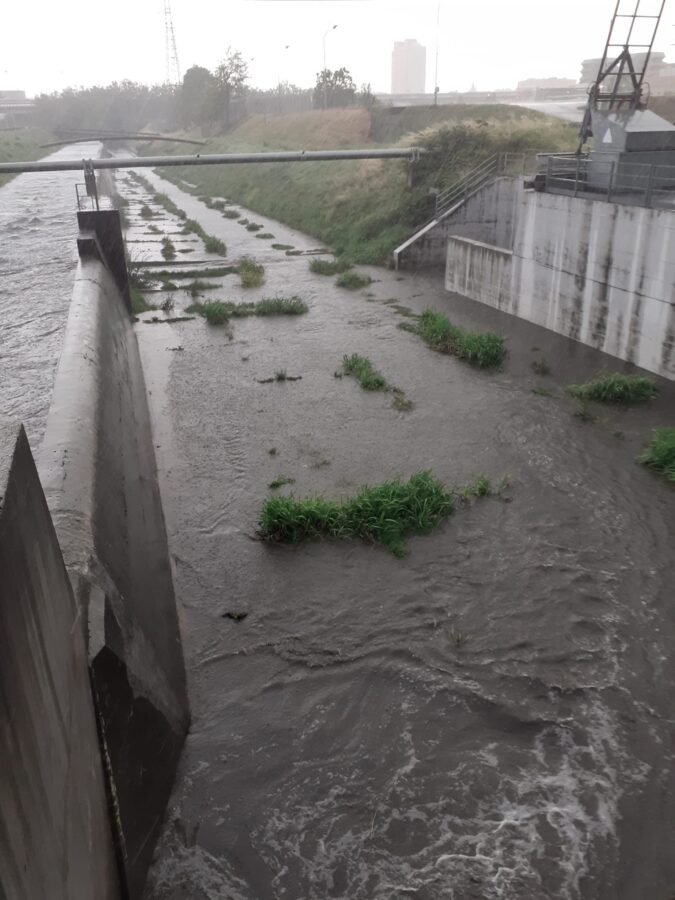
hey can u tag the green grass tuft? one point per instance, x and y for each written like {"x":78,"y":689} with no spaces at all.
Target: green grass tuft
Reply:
{"x":329,"y":266}
{"x":282,"y":246}
{"x":214,"y":244}
{"x":168,"y":248}
{"x":481,"y":486}
{"x":168,"y":204}
{"x":660,"y":453}
{"x":251,"y":274}
{"x":146,"y":212}
{"x":265,"y":236}
{"x":138,"y":301}
{"x":230,"y":214}
{"x":253,"y":227}
{"x":215,"y":311}
{"x":268,"y":306}
{"x":198,"y":287}
{"x":352,"y":281}
{"x":613,"y":387}
{"x":482,"y":349}
{"x":362,"y":369}
{"x":207,"y":272}
{"x":386,"y":513}
{"x":280,"y":482}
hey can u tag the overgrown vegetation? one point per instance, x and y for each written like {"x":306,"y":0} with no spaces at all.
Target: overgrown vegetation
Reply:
{"x":363,"y":370}
{"x":483,"y":349}
{"x":230,"y":214}
{"x":352,"y":281}
{"x":386,"y":513}
{"x":168,"y":248}
{"x":138,"y":302}
{"x":265,"y":236}
{"x":213,"y":244}
{"x":206,"y":272}
{"x":253,"y":227}
{"x":146,"y":212}
{"x":252,"y":274}
{"x":282,"y":246}
{"x":168,"y":204}
{"x":614,"y":387}
{"x":365,"y":209}
{"x":660,"y":453}
{"x":21,"y":145}
{"x":217,"y":312}
{"x":329,"y":266}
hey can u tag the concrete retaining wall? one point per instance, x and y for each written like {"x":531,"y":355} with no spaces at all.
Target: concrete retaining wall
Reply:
{"x":601,"y":273}
{"x":55,"y":837}
{"x":489,"y":215}
{"x":97,"y":466}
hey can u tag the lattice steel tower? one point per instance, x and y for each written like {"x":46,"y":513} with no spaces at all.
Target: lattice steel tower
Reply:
{"x":173,"y":75}
{"x":621,"y":76}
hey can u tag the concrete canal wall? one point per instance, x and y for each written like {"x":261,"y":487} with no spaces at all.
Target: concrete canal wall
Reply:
{"x":97,"y":466}
{"x":54,"y":828}
{"x":600,"y":273}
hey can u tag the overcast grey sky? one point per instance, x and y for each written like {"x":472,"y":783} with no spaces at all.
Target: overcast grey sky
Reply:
{"x":50,"y":44}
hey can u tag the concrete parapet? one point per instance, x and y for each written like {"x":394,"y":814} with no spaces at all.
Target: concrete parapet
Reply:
{"x":56,"y":838}
{"x":97,"y":466}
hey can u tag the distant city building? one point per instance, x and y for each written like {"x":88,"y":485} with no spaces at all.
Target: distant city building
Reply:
{"x":408,"y":67}
{"x":660,"y":75}
{"x":534,"y":84}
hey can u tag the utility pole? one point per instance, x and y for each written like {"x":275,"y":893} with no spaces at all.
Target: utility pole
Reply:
{"x":172,"y":65}
{"x":325,"y":86}
{"x":438,"y":21}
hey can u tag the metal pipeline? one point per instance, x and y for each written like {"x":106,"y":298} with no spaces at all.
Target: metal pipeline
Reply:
{"x":217,"y":159}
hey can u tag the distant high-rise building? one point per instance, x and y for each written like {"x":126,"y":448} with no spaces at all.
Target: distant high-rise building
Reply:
{"x":408,"y":68}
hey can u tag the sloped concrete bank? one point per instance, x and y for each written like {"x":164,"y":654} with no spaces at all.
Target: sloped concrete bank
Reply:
{"x":54,"y":829}
{"x":97,"y":466}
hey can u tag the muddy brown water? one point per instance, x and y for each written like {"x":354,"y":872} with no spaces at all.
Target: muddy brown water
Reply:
{"x":343,"y":744}
{"x":38,"y":255}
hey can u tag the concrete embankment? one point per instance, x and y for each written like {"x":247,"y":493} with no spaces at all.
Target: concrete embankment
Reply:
{"x":97,"y":466}
{"x":56,"y":840}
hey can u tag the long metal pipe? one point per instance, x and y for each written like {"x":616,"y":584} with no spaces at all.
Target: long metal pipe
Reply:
{"x":216,"y":159}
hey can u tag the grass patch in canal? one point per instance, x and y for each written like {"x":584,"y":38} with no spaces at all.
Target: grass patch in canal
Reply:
{"x":146,"y":212}
{"x":217,"y":312}
{"x":251,"y":226}
{"x":352,"y":281}
{"x":168,"y":204}
{"x":329,"y":266}
{"x":365,"y":373}
{"x":213,"y":244}
{"x":282,"y":247}
{"x":660,"y":453}
{"x":207,"y":272}
{"x":230,"y":214}
{"x":168,"y":248}
{"x":266,"y":236}
{"x":361,"y":368}
{"x":138,"y":301}
{"x":386,"y":513}
{"x":252,"y":274}
{"x":280,"y":482}
{"x":614,"y":387}
{"x":482,"y":349}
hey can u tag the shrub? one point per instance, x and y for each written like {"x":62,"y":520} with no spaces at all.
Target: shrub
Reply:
{"x":352,"y":281}
{"x":251,"y":273}
{"x":168,"y":248}
{"x":329,"y":266}
{"x":213,"y":244}
{"x":482,"y":349}
{"x":613,"y":387}
{"x":660,"y":453}
{"x":362,"y":369}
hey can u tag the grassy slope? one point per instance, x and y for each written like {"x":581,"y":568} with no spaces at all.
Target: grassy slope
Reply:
{"x":21,"y":144}
{"x":364,"y":209}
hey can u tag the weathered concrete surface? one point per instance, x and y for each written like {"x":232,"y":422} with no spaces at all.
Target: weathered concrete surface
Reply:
{"x":55,"y":837}
{"x":489,"y":215}
{"x":98,"y":467}
{"x":600,"y":273}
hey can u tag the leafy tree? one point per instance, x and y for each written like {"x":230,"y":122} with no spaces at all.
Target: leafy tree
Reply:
{"x":198,"y":86}
{"x":230,"y":85}
{"x":334,"y":88}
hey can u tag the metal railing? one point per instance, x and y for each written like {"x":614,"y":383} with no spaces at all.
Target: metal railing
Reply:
{"x":635,"y":184}
{"x":512,"y":164}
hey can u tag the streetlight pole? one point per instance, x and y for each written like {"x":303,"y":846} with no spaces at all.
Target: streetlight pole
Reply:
{"x":286,"y":46}
{"x":438,"y":21}
{"x":325,"y":87}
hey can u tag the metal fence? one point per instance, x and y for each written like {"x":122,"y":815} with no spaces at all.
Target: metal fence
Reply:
{"x":636,"y":184}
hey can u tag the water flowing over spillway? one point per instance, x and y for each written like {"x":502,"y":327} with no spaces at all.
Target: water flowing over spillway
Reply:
{"x":38,"y":255}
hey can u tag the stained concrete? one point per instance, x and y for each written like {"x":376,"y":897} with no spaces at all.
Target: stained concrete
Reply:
{"x":601,"y":273}
{"x":55,"y":837}
{"x":97,"y":464}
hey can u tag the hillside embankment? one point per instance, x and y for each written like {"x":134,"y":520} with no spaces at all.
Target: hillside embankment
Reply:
{"x":21,"y":144}
{"x":363,"y":209}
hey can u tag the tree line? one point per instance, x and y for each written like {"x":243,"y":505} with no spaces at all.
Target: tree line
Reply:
{"x":210,"y":100}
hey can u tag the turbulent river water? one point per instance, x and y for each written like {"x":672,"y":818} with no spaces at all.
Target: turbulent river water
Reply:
{"x":38,"y":255}
{"x":490,"y":717}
